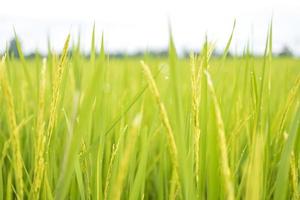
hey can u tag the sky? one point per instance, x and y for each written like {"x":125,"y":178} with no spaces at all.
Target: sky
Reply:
{"x":131,"y":25}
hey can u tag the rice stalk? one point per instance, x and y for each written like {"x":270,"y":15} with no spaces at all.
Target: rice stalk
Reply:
{"x":293,"y":172}
{"x":290,"y":100}
{"x":196,"y":98}
{"x":283,"y":170}
{"x":124,"y":164}
{"x":56,"y":92}
{"x":294,"y":176}
{"x":15,"y":135}
{"x":226,"y":173}
{"x":110,"y":166}
{"x":166,"y":123}
{"x":40,"y":135}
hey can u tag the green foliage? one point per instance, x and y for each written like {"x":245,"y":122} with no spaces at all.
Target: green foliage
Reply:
{"x":232,"y":124}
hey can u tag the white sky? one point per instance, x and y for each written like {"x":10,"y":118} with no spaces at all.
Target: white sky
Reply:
{"x":129,"y":25}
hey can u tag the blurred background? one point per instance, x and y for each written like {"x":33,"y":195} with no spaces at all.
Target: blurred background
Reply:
{"x":133,"y":26}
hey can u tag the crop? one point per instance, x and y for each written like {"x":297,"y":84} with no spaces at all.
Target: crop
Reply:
{"x":73,"y":127}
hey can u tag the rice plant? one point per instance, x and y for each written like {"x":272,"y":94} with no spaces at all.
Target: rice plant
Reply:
{"x":73,"y":127}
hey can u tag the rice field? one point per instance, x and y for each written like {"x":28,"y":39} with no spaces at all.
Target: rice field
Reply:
{"x":73,"y":127}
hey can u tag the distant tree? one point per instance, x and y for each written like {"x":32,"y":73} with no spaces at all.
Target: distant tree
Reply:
{"x":285,"y":52}
{"x":186,"y":53}
{"x":216,"y":53}
{"x":13,"y":49}
{"x":229,"y":55}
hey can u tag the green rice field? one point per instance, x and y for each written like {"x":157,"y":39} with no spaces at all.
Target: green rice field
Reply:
{"x":73,"y":127}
